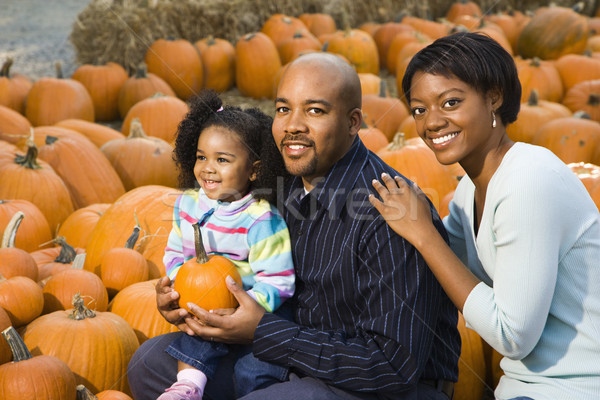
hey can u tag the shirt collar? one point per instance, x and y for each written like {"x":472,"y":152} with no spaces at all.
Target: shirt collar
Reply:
{"x":222,"y":207}
{"x":332,"y":192}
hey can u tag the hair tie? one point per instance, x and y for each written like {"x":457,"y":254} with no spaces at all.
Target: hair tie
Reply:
{"x":220,"y":109}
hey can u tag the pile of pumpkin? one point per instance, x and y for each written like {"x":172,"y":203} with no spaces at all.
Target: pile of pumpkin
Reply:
{"x":86,"y":210}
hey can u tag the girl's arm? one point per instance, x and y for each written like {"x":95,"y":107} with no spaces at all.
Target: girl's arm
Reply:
{"x":270,"y":258}
{"x":406,"y":210}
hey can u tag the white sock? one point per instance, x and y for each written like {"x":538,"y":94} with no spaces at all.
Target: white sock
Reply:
{"x":195,"y":376}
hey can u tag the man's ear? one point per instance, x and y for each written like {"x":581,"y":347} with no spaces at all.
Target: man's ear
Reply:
{"x":356,"y":119}
{"x":254,"y":173}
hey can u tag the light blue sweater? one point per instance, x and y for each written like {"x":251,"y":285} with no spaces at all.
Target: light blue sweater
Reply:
{"x":538,"y":254}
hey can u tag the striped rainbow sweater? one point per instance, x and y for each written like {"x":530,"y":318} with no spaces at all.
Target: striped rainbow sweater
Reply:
{"x":250,"y":232}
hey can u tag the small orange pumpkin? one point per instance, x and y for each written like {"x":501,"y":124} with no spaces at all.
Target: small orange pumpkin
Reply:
{"x":141,"y":86}
{"x":542,"y":76}
{"x":34,"y":231}
{"x":585,"y":96}
{"x":13,"y":88}
{"x":373,"y":138}
{"x":358,"y":47}
{"x":201,"y":280}
{"x":61,"y":287}
{"x":257,"y":63}
{"x":123,"y":266}
{"x":15,"y":261}
{"x":318,"y":23}
{"x":53,"y":99}
{"x":21,"y":298}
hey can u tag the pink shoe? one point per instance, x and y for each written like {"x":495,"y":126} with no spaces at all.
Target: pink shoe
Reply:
{"x":181,"y":390}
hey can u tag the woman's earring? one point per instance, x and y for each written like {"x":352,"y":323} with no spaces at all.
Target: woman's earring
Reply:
{"x":493,"y":119}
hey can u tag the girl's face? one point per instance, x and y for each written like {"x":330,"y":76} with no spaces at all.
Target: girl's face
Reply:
{"x":452,"y":118}
{"x":223,"y":168}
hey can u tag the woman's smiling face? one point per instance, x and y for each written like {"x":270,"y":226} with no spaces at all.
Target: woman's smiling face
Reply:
{"x":451,"y":117}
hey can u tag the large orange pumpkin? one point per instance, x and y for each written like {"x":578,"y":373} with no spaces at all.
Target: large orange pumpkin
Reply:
{"x":257,"y":63}
{"x":85,"y":340}
{"x":279,"y":27}
{"x":178,"y":62}
{"x":85,"y":170}
{"x":34,"y":180}
{"x":159,"y":114}
{"x":358,"y":47}
{"x":585,"y":96}
{"x":78,"y":226}
{"x":140,"y":86}
{"x":142,"y":160}
{"x":542,"y":76}
{"x":383,"y":112}
{"x":103,"y":82}
{"x":576,"y":68}
{"x":53,"y":99}
{"x":533,"y":114}
{"x":218,"y":62}
{"x":572,"y":139}
{"x":62,"y":286}
{"x":201,"y":280}
{"x":152,"y":208}
{"x":553,"y":32}
{"x":41,"y":377}
{"x":137,"y":305}
{"x":21,"y":298}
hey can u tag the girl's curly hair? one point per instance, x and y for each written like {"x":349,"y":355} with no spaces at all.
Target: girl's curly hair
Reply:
{"x":254,"y":129}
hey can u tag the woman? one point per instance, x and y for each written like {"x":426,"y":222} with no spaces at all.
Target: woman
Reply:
{"x":523,"y":264}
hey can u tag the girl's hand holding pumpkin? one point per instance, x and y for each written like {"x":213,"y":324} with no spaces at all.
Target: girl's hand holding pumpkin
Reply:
{"x":168,"y":305}
{"x":405,"y":208}
{"x":221,"y":325}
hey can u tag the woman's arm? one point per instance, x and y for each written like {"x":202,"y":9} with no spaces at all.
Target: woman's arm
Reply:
{"x":407,"y":212}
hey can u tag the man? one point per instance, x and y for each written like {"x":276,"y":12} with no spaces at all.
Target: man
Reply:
{"x":371,"y":321}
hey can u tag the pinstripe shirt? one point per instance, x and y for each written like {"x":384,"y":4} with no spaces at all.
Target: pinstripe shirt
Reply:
{"x":370,"y":316}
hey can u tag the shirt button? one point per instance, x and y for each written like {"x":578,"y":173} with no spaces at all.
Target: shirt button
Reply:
{"x":300,"y":232}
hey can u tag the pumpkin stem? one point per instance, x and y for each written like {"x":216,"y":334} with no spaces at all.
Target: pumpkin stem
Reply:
{"x":594,"y":99}
{"x":51,"y":139}
{"x":80,"y":311}
{"x":578,"y":7}
{"x":398,"y":142}
{"x":67,"y":252}
{"x":582,"y":115}
{"x":78,"y":261}
{"x":141,"y":71}
{"x":5,"y":71}
{"x":59,"y":71}
{"x":17,"y":346}
{"x":535,"y":62}
{"x":10,"y":232}
{"x":201,"y":257}
{"x":249,"y":36}
{"x":130,"y":244}
{"x":210,"y":40}
{"x":84,"y":393}
{"x":136,"y":130}
{"x":29,"y":160}
{"x":382,"y":88}
{"x":533,"y":98}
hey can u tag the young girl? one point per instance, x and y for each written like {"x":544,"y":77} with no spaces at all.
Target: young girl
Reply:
{"x":231,"y":155}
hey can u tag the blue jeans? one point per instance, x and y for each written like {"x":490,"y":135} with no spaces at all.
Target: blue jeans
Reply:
{"x":249,"y":373}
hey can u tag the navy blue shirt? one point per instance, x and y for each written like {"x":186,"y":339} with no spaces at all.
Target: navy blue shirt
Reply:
{"x":370,"y":316}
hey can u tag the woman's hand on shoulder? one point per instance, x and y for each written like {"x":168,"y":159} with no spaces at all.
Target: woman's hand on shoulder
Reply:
{"x":404,"y":207}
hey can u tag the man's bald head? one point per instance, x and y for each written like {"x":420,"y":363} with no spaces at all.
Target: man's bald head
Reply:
{"x":338,"y":74}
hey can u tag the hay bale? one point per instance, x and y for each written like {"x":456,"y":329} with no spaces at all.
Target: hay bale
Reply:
{"x":122,"y":30}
